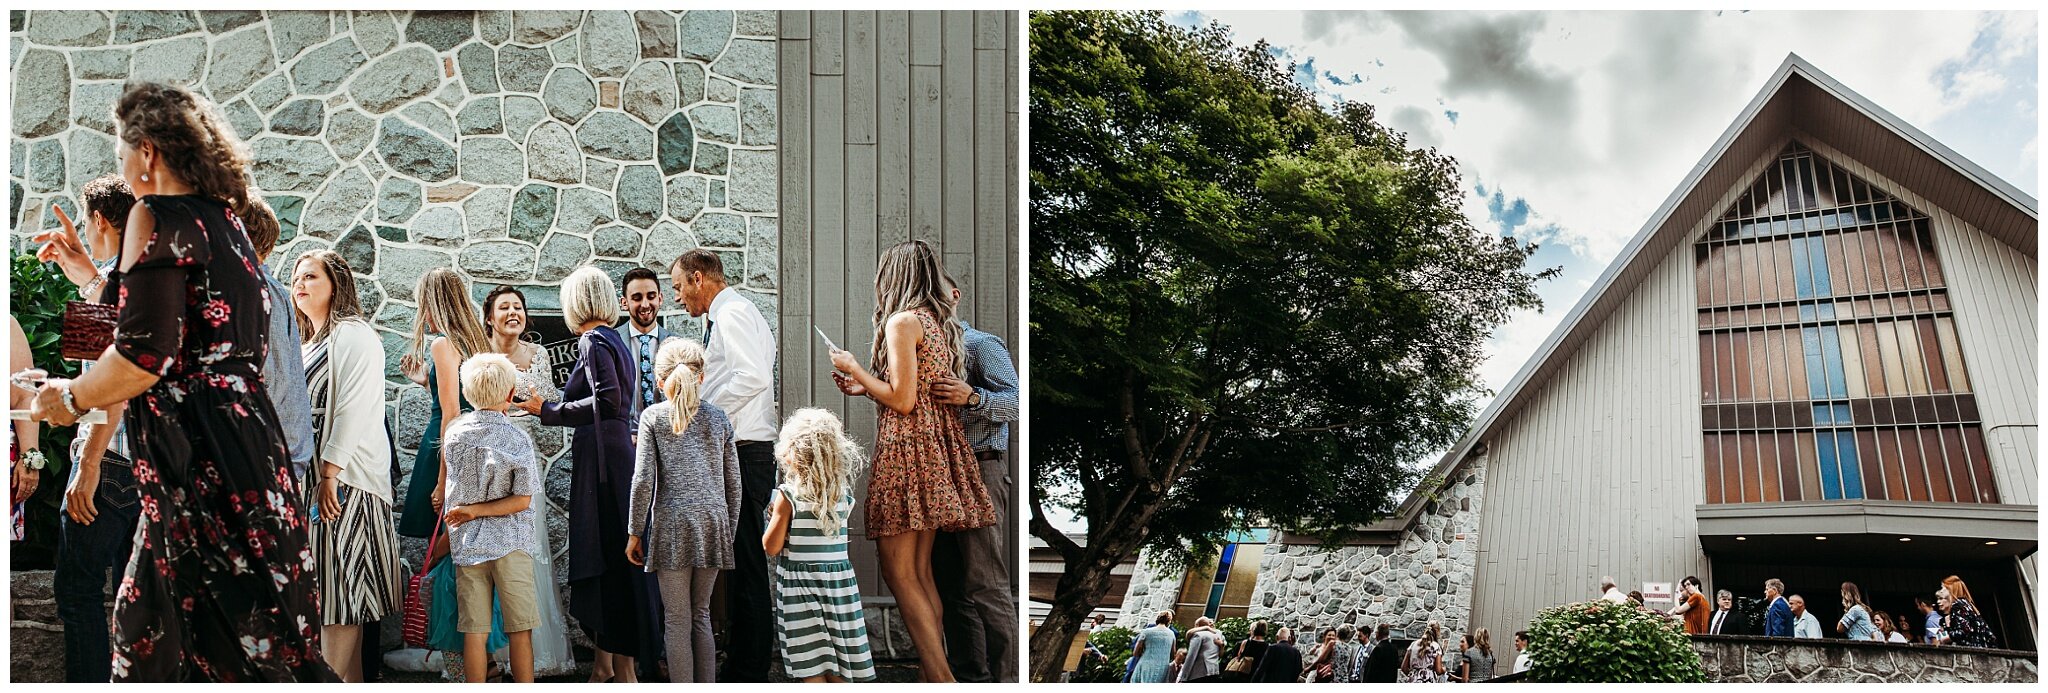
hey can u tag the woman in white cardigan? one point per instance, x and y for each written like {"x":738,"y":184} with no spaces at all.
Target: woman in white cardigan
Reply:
{"x":354,"y":540}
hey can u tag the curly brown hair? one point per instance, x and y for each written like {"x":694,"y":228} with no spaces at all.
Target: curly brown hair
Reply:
{"x":109,"y":197}
{"x":192,"y":137}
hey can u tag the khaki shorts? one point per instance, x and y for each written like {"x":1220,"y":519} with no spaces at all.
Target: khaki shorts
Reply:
{"x":510,"y":577}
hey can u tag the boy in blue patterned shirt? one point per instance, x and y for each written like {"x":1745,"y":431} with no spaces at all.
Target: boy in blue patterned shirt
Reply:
{"x":489,"y":479}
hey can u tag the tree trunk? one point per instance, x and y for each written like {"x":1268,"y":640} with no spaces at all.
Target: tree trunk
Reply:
{"x":1080,"y":588}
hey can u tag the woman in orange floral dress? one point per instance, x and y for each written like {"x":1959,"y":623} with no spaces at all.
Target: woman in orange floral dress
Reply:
{"x":924,"y":479}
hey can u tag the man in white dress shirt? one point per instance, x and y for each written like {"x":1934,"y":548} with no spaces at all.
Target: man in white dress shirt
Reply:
{"x":739,"y":377}
{"x":644,"y":333}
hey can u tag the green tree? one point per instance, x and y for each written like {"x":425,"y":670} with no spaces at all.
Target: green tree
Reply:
{"x":1245,"y":305}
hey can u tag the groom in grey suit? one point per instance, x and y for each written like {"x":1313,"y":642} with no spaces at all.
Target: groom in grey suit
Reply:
{"x":644,"y":333}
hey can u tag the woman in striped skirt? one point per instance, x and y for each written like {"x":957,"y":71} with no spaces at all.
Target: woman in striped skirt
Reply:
{"x":355,"y":543}
{"x":822,"y":627}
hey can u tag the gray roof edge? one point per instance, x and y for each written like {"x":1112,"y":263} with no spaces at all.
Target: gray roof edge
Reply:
{"x":1898,"y":126}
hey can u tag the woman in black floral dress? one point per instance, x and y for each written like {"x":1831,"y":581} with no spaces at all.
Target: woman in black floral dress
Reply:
{"x":1963,"y":625}
{"x":220,"y":587}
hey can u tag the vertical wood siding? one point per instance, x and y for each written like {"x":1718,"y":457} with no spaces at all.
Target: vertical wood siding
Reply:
{"x":1599,"y":474}
{"x":897,"y":125}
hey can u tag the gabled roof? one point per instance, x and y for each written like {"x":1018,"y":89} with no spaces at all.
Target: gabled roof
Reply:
{"x":1799,"y":100}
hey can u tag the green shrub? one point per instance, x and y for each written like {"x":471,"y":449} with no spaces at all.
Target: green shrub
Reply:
{"x":1115,"y":646}
{"x":1604,"y":642}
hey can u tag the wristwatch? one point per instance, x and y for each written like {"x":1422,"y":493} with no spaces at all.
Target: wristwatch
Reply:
{"x":34,"y":459}
{"x":70,"y":405}
{"x":91,"y":290}
{"x":974,"y":399}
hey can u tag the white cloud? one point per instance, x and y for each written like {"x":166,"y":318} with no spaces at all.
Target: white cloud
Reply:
{"x":1968,"y":85}
{"x":1593,"y":118}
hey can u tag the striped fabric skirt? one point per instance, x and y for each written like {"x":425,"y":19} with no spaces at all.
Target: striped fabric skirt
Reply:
{"x":821,"y":625}
{"x":356,"y":559}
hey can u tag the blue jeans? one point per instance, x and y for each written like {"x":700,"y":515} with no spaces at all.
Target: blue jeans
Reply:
{"x":84,"y":555}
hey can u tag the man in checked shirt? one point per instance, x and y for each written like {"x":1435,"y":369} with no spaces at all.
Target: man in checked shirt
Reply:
{"x":974,"y":587}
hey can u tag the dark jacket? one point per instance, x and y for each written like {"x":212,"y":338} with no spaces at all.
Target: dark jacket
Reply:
{"x":1383,"y":665}
{"x":1282,"y":664}
{"x":616,"y":603}
{"x":1778,"y":619}
{"x":1255,"y":649}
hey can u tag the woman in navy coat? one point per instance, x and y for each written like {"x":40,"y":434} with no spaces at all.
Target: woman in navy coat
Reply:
{"x":617,"y":604}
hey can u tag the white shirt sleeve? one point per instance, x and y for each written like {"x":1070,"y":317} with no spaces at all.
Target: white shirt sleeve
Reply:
{"x":745,"y":351}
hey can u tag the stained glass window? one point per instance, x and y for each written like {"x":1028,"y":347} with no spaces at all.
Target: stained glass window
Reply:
{"x":1829,"y":362}
{"x":1222,"y":588}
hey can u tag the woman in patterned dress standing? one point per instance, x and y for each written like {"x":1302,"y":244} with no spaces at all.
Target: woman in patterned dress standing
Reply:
{"x":219,"y":587}
{"x":925,"y":479}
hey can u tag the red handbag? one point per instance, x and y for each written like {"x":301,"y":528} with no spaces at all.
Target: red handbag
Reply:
{"x":415,"y":624}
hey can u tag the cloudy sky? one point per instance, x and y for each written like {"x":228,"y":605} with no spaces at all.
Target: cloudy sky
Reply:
{"x":1571,"y":127}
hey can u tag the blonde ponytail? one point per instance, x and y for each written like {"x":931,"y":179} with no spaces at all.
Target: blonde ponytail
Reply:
{"x":680,"y":367}
{"x":819,"y":460}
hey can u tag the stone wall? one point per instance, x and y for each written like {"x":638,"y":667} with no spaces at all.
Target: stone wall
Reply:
{"x":35,"y":636}
{"x":514,"y":146}
{"x":1741,"y":659}
{"x":1427,"y":576}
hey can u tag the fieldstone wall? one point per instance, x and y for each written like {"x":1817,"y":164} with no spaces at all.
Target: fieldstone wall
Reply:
{"x":1426,"y":577}
{"x":1742,"y":659}
{"x":514,"y":146}
{"x":35,"y":636}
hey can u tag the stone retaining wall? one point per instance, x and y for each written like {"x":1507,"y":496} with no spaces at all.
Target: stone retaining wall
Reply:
{"x":1745,"y":659}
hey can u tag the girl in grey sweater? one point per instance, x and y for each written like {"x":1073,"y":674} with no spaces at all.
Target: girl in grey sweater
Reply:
{"x":686,"y":504}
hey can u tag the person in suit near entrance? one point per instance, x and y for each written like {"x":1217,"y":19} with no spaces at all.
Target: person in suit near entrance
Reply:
{"x":1778,"y":617}
{"x":644,"y":333}
{"x":1725,"y":622}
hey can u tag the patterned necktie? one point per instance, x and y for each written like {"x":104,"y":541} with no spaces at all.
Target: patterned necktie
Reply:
{"x":647,"y":370}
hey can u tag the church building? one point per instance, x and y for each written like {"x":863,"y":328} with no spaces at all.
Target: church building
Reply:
{"x":1815,"y":362}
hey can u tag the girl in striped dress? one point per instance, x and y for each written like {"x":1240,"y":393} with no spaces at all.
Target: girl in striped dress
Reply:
{"x":822,"y":627}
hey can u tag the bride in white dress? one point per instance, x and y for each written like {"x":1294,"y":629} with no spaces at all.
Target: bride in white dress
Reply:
{"x":505,"y":315}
